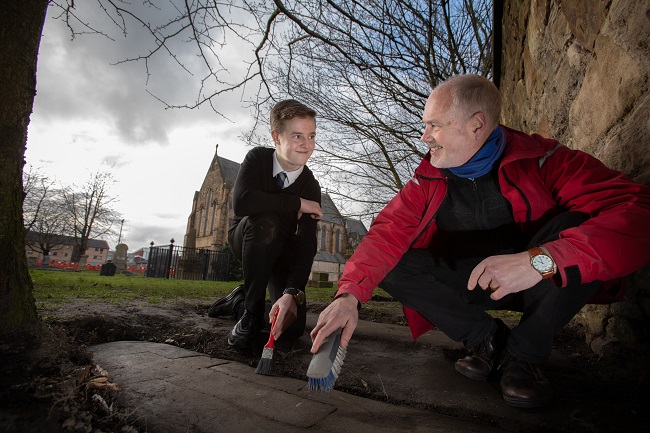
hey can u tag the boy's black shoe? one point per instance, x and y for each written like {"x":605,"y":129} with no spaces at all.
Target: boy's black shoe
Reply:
{"x":227,"y":306}
{"x":249,"y":327}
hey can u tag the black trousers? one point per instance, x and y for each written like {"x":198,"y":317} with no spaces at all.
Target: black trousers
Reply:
{"x":437,"y":289}
{"x":260,"y":242}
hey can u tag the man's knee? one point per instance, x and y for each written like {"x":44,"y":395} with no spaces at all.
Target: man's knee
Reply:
{"x":551,"y":230}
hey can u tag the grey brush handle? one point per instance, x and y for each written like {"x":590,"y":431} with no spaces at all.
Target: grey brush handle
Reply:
{"x":323,"y":360}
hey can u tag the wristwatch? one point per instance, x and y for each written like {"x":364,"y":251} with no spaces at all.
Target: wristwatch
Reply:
{"x":297,"y":294}
{"x":541,"y":262}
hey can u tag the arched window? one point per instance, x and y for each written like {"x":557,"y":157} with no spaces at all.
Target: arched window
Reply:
{"x":207,"y":212}
{"x":198,"y":228}
{"x":214,"y":213}
{"x":337,"y":248}
{"x":323,"y":232}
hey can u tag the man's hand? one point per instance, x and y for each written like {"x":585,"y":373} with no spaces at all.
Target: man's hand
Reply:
{"x":310,"y":207}
{"x":341,"y":313}
{"x":286,"y":316}
{"x":509,"y":273}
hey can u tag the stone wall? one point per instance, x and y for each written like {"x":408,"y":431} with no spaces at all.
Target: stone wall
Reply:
{"x":578,"y":71}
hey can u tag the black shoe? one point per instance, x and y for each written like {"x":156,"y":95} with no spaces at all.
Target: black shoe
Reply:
{"x":227,"y":306}
{"x":523,"y":384}
{"x":249,"y":326}
{"x":484,"y":357}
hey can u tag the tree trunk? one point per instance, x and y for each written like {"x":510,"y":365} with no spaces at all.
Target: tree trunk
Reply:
{"x":21,"y":25}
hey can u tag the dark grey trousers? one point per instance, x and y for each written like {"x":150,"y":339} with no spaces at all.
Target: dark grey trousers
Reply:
{"x":437,"y":289}
{"x":258,"y":241}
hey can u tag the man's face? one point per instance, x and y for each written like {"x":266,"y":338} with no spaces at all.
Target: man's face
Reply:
{"x":295,"y":144}
{"x":447,"y":133}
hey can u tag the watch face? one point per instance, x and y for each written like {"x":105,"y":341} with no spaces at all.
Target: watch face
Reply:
{"x":542,"y":263}
{"x":300,"y":297}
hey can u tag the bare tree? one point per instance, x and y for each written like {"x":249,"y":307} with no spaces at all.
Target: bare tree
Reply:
{"x":21,"y":25}
{"x":89,"y":211}
{"x":43,"y":213}
{"x":366,"y":66}
{"x":38,"y":190}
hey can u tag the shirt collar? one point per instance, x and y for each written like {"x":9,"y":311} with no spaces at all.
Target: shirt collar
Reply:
{"x":291,"y":175}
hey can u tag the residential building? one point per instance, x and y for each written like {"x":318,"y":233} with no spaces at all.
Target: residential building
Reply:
{"x":64,"y":249}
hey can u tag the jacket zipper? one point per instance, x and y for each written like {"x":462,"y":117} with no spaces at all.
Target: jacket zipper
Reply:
{"x":523,"y":196}
{"x":434,"y":215}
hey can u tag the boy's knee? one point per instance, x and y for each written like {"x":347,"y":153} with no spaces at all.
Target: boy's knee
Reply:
{"x":264,"y":227}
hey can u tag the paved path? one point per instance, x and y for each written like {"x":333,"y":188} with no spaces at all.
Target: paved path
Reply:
{"x":179,"y":391}
{"x":176,"y":390}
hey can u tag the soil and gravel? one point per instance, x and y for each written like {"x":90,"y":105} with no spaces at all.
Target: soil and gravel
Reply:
{"x":49,"y":383}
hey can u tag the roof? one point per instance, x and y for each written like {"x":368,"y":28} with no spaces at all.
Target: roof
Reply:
{"x":330,"y":211}
{"x":229,"y":169}
{"x":326,"y":256}
{"x":32,"y":237}
{"x":355,"y":226}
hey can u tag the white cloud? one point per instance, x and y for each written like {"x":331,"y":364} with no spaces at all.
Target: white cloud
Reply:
{"x":90,"y":115}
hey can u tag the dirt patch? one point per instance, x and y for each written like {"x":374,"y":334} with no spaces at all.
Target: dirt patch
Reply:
{"x":49,"y":383}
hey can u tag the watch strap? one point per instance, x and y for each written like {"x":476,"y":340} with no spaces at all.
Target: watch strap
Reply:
{"x":298,"y":295}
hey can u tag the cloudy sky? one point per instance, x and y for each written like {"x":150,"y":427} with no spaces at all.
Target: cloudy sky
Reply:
{"x":91,"y":115}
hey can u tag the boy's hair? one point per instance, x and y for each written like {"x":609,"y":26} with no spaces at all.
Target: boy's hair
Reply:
{"x":287,"y":110}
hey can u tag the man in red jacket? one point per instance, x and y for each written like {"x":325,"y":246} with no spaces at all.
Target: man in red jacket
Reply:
{"x":496,"y":219}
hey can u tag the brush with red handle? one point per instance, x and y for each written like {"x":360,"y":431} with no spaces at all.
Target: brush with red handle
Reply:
{"x":265,"y":366}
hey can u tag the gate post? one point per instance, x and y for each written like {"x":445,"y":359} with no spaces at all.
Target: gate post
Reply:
{"x":169,"y":259}
{"x":150,"y":268}
{"x":205,"y":258}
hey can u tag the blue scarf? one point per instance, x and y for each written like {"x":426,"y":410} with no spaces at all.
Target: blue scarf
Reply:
{"x":483,"y":160}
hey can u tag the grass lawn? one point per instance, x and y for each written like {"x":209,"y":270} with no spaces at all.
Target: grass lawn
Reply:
{"x":55,"y":287}
{"x":52,"y":288}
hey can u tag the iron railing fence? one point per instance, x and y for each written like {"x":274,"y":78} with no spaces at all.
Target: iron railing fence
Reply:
{"x":184,"y":263}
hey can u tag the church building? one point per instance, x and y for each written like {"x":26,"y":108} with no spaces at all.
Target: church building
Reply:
{"x":212,"y":214}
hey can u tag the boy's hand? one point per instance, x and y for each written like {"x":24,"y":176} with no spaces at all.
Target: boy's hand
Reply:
{"x":286,"y":316}
{"x":310,"y":207}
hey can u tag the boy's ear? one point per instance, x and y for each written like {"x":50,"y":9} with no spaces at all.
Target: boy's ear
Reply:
{"x":274,"y":136}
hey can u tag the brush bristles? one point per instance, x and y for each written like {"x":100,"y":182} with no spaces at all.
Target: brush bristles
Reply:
{"x":265,"y":366}
{"x":326,"y":384}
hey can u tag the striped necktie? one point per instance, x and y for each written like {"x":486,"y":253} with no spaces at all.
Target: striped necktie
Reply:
{"x":281,"y":179}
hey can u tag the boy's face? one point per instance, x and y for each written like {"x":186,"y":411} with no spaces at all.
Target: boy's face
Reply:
{"x":295,"y":144}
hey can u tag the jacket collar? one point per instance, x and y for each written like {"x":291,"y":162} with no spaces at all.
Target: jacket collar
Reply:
{"x":518,"y":146}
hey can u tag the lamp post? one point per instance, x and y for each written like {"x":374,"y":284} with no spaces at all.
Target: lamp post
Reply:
{"x":120,"y":238}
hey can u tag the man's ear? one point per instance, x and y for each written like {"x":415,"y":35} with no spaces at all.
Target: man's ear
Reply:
{"x":478,"y":123}
{"x":274,"y":136}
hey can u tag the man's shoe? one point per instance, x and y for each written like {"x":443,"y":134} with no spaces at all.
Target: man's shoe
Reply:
{"x":523,"y":384}
{"x":484,"y":357}
{"x":227,"y":306}
{"x":249,"y":326}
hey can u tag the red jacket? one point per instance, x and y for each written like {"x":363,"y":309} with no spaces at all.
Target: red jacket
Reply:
{"x":540,"y":178}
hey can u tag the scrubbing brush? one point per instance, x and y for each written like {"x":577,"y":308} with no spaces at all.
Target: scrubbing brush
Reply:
{"x":326,"y":364}
{"x":265,"y":366}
